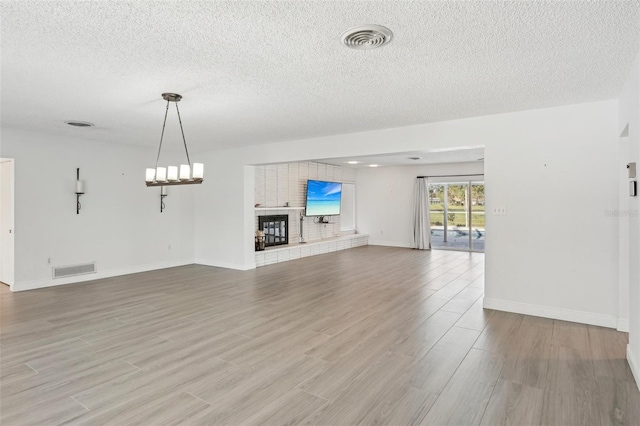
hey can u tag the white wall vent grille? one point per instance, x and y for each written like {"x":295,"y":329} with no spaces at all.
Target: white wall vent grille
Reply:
{"x":73,"y":270}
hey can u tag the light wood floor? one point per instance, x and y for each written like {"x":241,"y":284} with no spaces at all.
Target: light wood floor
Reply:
{"x":371,"y":335}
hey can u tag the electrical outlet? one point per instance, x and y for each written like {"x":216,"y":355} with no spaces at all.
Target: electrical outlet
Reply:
{"x":48,"y":261}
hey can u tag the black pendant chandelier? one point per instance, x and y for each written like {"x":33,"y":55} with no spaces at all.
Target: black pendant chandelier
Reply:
{"x":186,"y":174}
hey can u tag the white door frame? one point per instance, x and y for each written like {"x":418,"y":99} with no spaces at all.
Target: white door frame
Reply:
{"x":7,"y":221}
{"x":623,"y":215}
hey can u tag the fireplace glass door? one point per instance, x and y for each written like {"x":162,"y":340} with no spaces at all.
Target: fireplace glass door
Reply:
{"x":276,"y":229}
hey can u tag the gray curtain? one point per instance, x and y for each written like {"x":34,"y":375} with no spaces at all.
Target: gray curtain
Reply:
{"x":421,"y":229}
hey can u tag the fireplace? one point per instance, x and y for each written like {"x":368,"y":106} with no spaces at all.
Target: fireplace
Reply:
{"x":276,"y":229}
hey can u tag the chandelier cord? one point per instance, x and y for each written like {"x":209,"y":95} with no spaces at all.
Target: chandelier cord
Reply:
{"x":183,"y":138}
{"x":162,"y":135}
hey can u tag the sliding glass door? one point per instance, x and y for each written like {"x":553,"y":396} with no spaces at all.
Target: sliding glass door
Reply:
{"x":477,"y":216}
{"x":457,"y":215}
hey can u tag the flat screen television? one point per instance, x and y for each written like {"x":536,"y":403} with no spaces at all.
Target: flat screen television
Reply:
{"x":323,"y":198}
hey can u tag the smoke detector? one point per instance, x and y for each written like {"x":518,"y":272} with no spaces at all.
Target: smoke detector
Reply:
{"x":366,"y":37}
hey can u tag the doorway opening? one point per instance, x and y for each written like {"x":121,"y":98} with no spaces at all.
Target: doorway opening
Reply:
{"x":457,"y":215}
{"x":7,"y":221}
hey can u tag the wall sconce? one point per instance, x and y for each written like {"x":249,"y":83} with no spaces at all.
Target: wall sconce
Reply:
{"x":79,"y":190}
{"x":163,"y":193}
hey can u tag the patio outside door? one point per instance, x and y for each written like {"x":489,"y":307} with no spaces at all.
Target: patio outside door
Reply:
{"x":457,"y":215}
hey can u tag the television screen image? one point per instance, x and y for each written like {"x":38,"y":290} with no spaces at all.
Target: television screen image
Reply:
{"x":323,"y":198}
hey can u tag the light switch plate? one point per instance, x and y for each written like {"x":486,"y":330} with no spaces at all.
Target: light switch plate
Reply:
{"x":500,"y":211}
{"x":631,"y":167}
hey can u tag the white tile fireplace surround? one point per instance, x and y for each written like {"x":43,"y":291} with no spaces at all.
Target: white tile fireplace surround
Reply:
{"x":294,"y":250}
{"x":280,"y":185}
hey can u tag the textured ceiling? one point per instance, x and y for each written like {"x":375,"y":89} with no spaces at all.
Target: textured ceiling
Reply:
{"x":256,"y":72}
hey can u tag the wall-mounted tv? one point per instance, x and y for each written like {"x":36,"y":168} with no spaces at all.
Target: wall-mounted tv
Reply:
{"x":323,"y":198}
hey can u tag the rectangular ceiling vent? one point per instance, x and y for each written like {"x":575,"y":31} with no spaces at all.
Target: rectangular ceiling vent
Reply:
{"x":73,"y":270}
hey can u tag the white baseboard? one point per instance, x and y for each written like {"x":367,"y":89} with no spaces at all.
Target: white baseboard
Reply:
{"x":550,"y":312}
{"x":634,"y":364}
{"x":50,"y":282}
{"x":236,"y":266}
{"x":374,"y":242}
{"x":623,"y":325}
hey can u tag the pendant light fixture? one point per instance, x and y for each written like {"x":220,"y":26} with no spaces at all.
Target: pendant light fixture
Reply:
{"x":186,"y":174}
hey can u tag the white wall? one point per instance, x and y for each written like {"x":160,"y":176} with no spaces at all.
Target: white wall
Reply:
{"x":385,"y":199}
{"x":555,"y":253}
{"x":630,"y":116}
{"x":120,"y":225}
{"x":224,"y":213}
{"x":553,"y":167}
{"x":349,"y":174}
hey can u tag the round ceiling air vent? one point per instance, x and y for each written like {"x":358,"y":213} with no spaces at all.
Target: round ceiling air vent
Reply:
{"x":75,"y":123}
{"x":367,"y":37}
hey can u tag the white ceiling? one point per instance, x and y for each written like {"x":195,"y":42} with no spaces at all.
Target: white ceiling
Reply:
{"x":262,"y":71}
{"x":462,"y":155}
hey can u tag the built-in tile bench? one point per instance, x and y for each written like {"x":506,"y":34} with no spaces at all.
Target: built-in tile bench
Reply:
{"x":296,"y":251}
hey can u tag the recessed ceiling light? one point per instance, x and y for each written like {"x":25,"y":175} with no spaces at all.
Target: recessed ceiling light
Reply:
{"x":366,"y":37}
{"x":75,"y":123}
{"x":373,"y":165}
{"x":352,"y":162}
{"x":415,"y":158}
